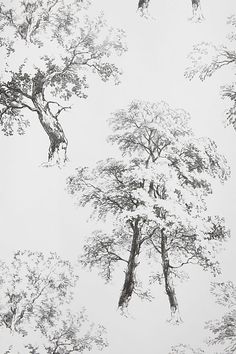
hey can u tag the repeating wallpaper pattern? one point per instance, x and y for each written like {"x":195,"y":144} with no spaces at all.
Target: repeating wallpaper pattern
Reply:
{"x":118,"y":185}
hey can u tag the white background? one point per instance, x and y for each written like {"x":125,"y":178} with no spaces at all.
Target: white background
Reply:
{"x":37,"y":213}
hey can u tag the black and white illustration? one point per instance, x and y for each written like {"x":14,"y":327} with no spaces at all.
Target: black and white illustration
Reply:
{"x":117,"y":190}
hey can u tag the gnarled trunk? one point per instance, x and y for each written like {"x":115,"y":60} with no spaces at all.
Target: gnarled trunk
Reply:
{"x":169,"y":286}
{"x":130,"y":276}
{"x":58,"y":142}
{"x":57,"y":153}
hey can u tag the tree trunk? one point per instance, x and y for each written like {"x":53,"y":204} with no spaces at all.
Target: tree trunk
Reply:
{"x":169,"y":286}
{"x":197,"y":11}
{"x":57,"y":153}
{"x":130,"y":276}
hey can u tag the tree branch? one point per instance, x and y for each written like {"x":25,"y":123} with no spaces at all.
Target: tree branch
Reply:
{"x":183,"y":263}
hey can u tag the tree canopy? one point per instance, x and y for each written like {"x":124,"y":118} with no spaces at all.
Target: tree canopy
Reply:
{"x":36,"y":291}
{"x":157,"y":195}
{"x":49,"y":50}
{"x":206,"y":58}
{"x":223,"y":330}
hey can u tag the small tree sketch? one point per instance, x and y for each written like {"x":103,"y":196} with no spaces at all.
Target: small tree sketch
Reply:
{"x":157,"y":197}
{"x":35,"y":293}
{"x":223,"y":330}
{"x":206,"y":58}
{"x":51,"y":48}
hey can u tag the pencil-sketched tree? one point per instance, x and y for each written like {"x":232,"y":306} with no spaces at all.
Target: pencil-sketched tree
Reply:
{"x":157,"y":195}
{"x":51,"y":48}
{"x":113,"y":187}
{"x":223,"y":330}
{"x":35,"y":292}
{"x":206,"y":58}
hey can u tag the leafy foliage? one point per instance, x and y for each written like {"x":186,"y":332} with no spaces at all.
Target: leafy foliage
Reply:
{"x":160,"y":187}
{"x":50,"y":49}
{"x":206,"y":58}
{"x":224,"y":329}
{"x":185,"y":349}
{"x":35,"y":294}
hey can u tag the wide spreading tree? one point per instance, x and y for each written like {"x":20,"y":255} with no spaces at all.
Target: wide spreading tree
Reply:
{"x":223,"y":330}
{"x":207,"y":58}
{"x":49,"y":49}
{"x":157,"y":197}
{"x":36,"y":290}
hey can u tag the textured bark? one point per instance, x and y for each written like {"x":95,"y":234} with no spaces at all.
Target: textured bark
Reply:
{"x":130,"y":276}
{"x":57,"y":153}
{"x":169,"y":286}
{"x":197,"y":11}
{"x":143,"y":4}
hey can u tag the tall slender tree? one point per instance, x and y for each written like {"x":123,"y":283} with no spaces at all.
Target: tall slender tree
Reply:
{"x":50,"y":49}
{"x":157,"y":196}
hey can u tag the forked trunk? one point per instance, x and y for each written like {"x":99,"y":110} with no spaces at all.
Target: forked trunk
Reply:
{"x":130,"y":274}
{"x":169,"y":286}
{"x":57,"y":153}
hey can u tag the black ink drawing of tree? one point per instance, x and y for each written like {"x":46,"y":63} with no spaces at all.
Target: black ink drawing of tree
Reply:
{"x":36,"y":290}
{"x":223,"y":330}
{"x":157,"y":196}
{"x":51,"y":48}
{"x":206,"y":58}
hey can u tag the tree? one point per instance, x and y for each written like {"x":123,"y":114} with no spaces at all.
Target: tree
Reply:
{"x":35,"y":292}
{"x":157,"y":196}
{"x":206,"y":58}
{"x":223,"y":330}
{"x":51,"y":48}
